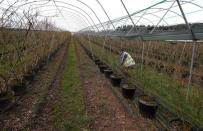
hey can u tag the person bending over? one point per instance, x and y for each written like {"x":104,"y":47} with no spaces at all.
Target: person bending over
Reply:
{"x":126,"y":61}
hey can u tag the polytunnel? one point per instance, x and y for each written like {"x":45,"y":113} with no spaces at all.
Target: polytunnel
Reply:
{"x":101,"y":65}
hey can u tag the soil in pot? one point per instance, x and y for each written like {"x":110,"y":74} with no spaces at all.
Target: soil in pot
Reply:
{"x":19,"y":88}
{"x":180,"y":125}
{"x":116,"y":79}
{"x":147,"y":106}
{"x":128,"y":90}
{"x":6,"y":100}
{"x":108,"y":72}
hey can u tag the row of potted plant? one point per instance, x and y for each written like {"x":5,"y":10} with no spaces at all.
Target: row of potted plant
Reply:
{"x":17,"y":85}
{"x":148,"y":108}
{"x":147,"y":105}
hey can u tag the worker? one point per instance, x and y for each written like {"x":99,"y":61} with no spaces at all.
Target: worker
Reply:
{"x":126,"y":61}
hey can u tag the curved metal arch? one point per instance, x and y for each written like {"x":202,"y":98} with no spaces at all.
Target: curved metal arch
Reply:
{"x":68,"y":14}
{"x":74,"y":14}
{"x":166,"y":9}
{"x":119,"y":19}
{"x":78,"y":18}
{"x":155,"y":16}
{"x":57,"y":2}
{"x":53,"y":14}
{"x":193,"y":4}
{"x":93,"y":12}
{"x":124,"y":23}
{"x":106,"y":13}
{"x":146,"y":19}
{"x":77,"y":8}
{"x":67,"y":8}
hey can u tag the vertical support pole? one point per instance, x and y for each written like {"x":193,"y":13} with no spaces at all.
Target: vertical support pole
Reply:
{"x":110,"y":45}
{"x":193,"y":49}
{"x":148,"y":47}
{"x":191,"y":68}
{"x":51,"y":45}
{"x":104,"y":44}
{"x":110,"y":52}
{"x":143,"y":46}
{"x":182,"y":52}
{"x":138,"y":44}
{"x":90,"y":45}
{"x":121,"y":43}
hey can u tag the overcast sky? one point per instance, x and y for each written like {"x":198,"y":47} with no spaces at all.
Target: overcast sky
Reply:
{"x":68,"y":16}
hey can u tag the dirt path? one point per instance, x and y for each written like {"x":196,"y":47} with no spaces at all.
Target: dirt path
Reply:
{"x":18,"y":118}
{"x":104,"y":108}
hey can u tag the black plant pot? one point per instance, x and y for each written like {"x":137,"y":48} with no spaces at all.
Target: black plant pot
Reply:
{"x":42,"y":64}
{"x":35,"y":70}
{"x":181,"y":125}
{"x":128,"y":91}
{"x":19,"y":89}
{"x":9,"y":95}
{"x":107,"y":73}
{"x":29,"y":76}
{"x":92,"y":57}
{"x":6,"y":101}
{"x":147,"y":106}
{"x":102,"y":68}
{"x":99,"y":63}
{"x":115,"y":80}
{"x":96,"y":61}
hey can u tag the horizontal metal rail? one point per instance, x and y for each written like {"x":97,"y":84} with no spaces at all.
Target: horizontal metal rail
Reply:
{"x":176,"y":35}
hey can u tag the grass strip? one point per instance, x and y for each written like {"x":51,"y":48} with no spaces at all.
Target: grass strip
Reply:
{"x":76,"y":118}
